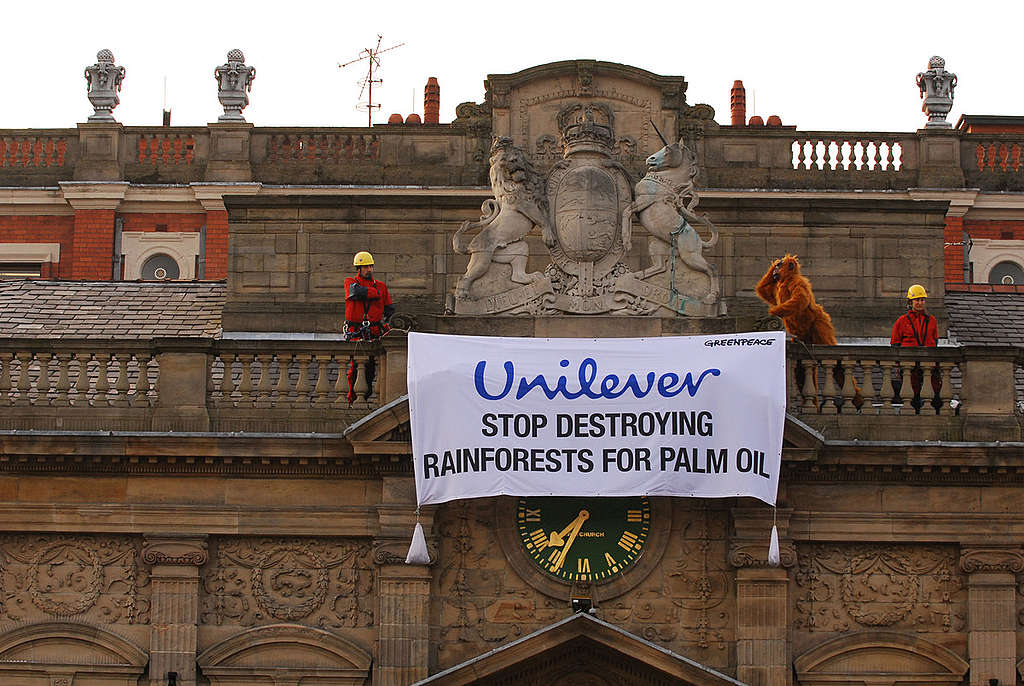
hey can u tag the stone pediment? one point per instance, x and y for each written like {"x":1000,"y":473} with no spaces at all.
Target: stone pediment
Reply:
{"x":383,"y":431}
{"x":886,"y":658}
{"x":288,"y":653}
{"x":64,"y":650}
{"x":580,"y":650}
{"x":525,"y":105}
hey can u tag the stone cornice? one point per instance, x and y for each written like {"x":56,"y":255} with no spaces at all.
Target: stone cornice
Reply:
{"x":1008,"y":559}
{"x":94,"y":195}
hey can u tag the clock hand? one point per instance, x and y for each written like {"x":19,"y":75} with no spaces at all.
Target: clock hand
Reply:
{"x":557,"y":538}
{"x":584,"y":516}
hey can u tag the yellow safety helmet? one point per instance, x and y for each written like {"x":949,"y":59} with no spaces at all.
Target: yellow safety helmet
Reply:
{"x":916,"y":291}
{"x":364,"y":258}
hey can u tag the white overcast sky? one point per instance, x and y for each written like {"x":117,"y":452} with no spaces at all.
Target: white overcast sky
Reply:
{"x":819,"y":65}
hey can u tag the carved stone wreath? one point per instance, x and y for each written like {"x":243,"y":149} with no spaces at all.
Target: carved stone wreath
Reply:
{"x":874,"y":612}
{"x":289,"y":611}
{"x":86,"y":598}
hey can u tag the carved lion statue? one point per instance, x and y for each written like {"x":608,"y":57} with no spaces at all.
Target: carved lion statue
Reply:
{"x":519,"y":204}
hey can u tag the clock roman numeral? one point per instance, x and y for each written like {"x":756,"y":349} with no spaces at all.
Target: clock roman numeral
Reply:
{"x":628,"y":540}
{"x":583,"y":565}
{"x":554,"y":555}
{"x":534,"y":515}
{"x":609,"y":559}
{"x":634,"y":516}
{"x":540,"y":539}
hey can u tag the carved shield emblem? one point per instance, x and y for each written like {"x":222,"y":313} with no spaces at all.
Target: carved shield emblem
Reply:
{"x":586,"y":212}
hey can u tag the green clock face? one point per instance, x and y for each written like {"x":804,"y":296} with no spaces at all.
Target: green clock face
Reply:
{"x":584,"y":539}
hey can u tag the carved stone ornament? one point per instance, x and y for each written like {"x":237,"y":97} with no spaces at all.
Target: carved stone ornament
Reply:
{"x":992,"y":559}
{"x":584,"y":208}
{"x":748,"y":555}
{"x":234,"y":82}
{"x":936,"y":86}
{"x":161,"y":550}
{"x":104,"y":82}
{"x":843,"y":587}
{"x":394,"y":552}
{"x":94,"y":579}
{"x":326,"y":583}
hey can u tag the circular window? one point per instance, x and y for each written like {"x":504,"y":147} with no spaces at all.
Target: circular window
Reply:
{"x":159,"y":268}
{"x":1006,"y":273}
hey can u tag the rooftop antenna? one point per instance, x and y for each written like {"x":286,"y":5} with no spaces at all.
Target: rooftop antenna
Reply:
{"x":371,"y":55}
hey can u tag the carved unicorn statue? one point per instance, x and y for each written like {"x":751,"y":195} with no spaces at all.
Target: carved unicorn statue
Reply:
{"x":665,"y":200}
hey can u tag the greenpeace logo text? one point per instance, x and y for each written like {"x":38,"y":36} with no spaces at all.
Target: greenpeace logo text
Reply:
{"x":611,"y":386}
{"x":738,"y":341}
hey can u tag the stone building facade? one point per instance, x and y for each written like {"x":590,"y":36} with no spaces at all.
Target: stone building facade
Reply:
{"x":187,"y":495}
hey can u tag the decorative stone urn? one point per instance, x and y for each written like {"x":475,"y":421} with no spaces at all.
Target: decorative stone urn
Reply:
{"x":104,"y":79}
{"x":234,"y":81}
{"x":937,"y":86}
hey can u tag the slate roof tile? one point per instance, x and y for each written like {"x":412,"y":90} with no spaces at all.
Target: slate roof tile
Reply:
{"x":121,"y":309}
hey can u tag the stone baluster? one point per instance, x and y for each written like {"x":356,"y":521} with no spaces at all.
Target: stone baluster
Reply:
{"x":799,"y":155}
{"x":905,"y":406}
{"x":63,"y":384}
{"x":79,"y":392}
{"x":849,"y":390}
{"x":245,"y":383}
{"x":142,"y":385}
{"x":24,"y":360}
{"x":946,"y":390}
{"x":762,"y":621}
{"x":174,"y":610}
{"x":991,"y":609}
{"x":5,"y":378}
{"x":121,"y":386}
{"x":341,"y":383}
{"x":323,"y":386}
{"x":361,"y":388}
{"x":829,"y":396}
{"x":227,"y":381}
{"x":43,"y":380}
{"x":303,"y":387}
{"x":810,"y":390}
{"x":102,"y":381}
{"x":284,"y":382}
{"x":263,"y":389}
{"x":888,"y":391}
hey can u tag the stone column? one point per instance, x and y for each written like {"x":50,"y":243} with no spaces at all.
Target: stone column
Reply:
{"x":174,"y":612}
{"x":762,"y":621}
{"x":991,"y":611}
{"x":403,"y":590}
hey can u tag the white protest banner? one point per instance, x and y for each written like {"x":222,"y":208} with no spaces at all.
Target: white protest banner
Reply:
{"x":698,"y":416}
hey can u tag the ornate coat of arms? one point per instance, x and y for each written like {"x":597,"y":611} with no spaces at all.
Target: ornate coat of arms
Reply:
{"x":585,"y":209}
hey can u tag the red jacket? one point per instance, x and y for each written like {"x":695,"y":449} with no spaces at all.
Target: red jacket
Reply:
{"x":914,"y":330}
{"x":372,"y":306}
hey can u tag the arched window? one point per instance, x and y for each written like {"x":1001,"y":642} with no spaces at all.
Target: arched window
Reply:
{"x":159,"y":267}
{"x":1007,"y":273}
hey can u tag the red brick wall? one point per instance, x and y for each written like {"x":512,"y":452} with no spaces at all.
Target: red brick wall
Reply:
{"x":997,"y":230}
{"x":216,"y":244}
{"x":139,"y":221}
{"x":44,"y":229}
{"x":93,"y":245}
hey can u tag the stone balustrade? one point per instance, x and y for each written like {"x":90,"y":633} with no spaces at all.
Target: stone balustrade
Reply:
{"x":189,"y":385}
{"x":259,"y":386}
{"x":731,"y":157}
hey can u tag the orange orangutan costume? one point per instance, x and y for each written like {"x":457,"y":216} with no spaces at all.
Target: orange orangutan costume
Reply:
{"x":789,"y":294}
